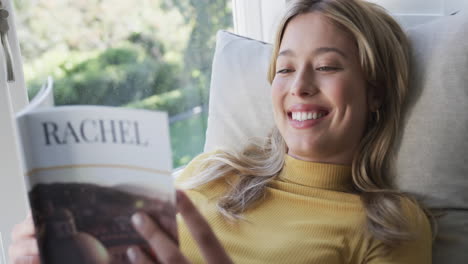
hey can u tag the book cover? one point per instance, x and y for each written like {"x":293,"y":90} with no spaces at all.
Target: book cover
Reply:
{"x":88,"y":170}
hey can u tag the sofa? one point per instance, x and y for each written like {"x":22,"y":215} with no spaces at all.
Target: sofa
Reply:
{"x":432,"y":160}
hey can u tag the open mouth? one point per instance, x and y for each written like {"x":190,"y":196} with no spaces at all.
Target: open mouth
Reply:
{"x":304,"y":116}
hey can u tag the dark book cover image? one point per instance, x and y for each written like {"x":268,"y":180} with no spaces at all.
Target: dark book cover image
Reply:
{"x":90,"y":224}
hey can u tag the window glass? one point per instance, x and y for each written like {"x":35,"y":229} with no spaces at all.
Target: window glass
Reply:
{"x":151,"y":54}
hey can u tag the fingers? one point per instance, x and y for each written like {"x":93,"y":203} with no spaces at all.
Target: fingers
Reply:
{"x":23,"y":249}
{"x":26,"y":247}
{"x":166,"y":250}
{"x":210,"y":246}
{"x":24,"y":229}
{"x":136,"y":256}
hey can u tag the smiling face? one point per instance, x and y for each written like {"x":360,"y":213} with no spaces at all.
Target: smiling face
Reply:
{"x":319,"y":91}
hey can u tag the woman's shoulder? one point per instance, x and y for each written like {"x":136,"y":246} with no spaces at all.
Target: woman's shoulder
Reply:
{"x":418,"y":220}
{"x":417,"y":249}
{"x":413,"y":210}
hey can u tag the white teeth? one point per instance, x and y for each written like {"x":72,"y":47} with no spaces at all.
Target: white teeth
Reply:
{"x":301,"y":116}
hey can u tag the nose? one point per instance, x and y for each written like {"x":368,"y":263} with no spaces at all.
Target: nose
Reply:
{"x":304,"y":84}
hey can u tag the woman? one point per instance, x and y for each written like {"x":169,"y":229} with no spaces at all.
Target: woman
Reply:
{"x":319,"y":189}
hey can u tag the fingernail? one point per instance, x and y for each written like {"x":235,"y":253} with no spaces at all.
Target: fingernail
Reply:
{"x":138,"y":219}
{"x":132,"y":254}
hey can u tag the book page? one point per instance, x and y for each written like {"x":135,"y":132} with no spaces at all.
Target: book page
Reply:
{"x":44,"y":98}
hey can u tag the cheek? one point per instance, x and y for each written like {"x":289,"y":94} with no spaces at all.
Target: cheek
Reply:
{"x":345,"y":91}
{"x":339,"y":92}
{"x":278,"y":91}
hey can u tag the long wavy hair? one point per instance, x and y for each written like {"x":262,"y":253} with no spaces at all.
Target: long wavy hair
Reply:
{"x":384,"y":57}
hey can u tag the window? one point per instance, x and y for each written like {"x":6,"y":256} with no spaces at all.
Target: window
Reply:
{"x":150,"y":54}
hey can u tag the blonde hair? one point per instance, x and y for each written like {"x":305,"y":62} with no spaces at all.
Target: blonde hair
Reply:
{"x":383,"y":53}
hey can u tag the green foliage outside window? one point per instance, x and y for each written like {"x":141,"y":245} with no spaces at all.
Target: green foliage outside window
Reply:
{"x":151,"y":54}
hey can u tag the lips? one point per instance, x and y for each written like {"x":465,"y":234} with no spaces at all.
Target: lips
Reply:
{"x":302,"y":116}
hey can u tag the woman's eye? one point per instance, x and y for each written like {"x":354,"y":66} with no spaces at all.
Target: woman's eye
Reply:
{"x":327,"y":68}
{"x":284,"y":71}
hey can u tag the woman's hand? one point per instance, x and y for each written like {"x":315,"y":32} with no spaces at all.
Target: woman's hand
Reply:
{"x":23,"y":249}
{"x":168,"y":251}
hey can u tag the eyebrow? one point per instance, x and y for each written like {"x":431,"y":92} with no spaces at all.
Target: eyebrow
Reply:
{"x":321,"y":50}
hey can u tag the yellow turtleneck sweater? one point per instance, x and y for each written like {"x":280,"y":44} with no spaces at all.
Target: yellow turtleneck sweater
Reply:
{"x":309,"y":216}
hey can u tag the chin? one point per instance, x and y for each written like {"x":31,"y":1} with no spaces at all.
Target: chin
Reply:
{"x":309,"y":151}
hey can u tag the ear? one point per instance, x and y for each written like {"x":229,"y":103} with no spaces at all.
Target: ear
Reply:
{"x":375,"y":96}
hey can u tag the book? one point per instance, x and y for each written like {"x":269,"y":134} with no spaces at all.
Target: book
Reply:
{"x":88,"y":169}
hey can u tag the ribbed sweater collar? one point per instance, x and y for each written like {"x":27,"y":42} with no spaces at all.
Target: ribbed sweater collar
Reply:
{"x":317,"y":175}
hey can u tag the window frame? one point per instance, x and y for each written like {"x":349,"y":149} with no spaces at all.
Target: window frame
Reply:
{"x":257,"y":19}
{"x":13,"y":97}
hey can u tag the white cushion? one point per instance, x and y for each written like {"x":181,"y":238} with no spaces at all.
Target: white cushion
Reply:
{"x":240,"y":100}
{"x":432,"y":157}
